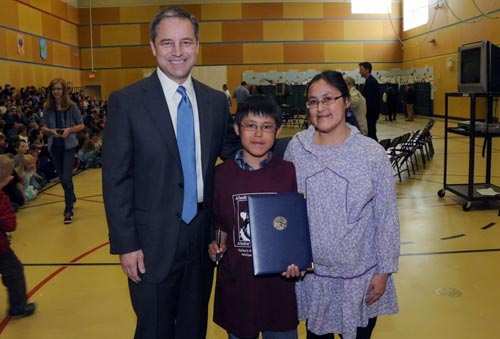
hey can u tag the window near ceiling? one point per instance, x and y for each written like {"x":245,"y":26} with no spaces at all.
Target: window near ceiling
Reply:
{"x":415,"y":13}
{"x":370,"y":6}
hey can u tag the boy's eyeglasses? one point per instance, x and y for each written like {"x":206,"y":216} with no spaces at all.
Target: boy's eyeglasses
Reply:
{"x":254,"y":127}
{"x":327,"y":101}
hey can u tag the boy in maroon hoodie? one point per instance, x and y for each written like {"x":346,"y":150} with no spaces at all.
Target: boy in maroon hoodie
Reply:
{"x":11,"y":268}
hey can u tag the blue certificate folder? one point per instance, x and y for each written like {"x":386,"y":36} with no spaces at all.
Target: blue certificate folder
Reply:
{"x":280,"y":232}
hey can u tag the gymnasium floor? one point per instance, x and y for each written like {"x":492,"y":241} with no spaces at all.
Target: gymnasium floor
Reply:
{"x":448,"y":284}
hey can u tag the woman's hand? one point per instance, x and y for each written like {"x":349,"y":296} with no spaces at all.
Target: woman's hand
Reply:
{"x":376,"y":288}
{"x":293,"y":271}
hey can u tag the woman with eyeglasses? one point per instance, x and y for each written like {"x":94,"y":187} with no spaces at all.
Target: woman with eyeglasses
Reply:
{"x":62,"y":121}
{"x":353,"y":218}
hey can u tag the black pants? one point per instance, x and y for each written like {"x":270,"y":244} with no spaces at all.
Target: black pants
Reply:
{"x":371,"y":122}
{"x":13,"y":278}
{"x":177,"y":307}
{"x":63,"y":161}
{"x":361,"y":333}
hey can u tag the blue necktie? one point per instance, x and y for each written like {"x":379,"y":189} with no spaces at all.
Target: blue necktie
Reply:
{"x":185,"y":142}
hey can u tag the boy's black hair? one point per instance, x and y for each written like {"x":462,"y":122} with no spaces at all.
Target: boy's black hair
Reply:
{"x":260,"y":105}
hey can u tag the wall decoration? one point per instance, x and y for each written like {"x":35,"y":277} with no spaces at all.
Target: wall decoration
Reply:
{"x":43,"y":49}
{"x":20,"y":44}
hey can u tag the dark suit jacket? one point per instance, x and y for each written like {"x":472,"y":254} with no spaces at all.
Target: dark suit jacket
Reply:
{"x":371,"y":92}
{"x":142,"y":174}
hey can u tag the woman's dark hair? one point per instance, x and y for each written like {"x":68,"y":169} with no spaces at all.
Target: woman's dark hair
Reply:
{"x":260,"y":105}
{"x":335,"y":79}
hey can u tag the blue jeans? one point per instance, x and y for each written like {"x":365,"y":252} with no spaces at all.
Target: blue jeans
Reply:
{"x":293,"y":334}
{"x":63,"y":161}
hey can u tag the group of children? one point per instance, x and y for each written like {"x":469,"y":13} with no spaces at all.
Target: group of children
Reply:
{"x":353,"y":221}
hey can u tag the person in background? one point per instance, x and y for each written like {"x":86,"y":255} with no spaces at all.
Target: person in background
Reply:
{"x":241,"y":93}
{"x":11,"y":268}
{"x":62,"y":121}
{"x":225,"y":89}
{"x":246,"y":305}
{"x":353,"y":218}
{"x":410,"y":103}
{"x":162,"y":138}
{"x":358,"y":105}
{"x":371,"y":92}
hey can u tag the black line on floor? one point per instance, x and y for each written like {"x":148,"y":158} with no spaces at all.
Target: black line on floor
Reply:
{"x":488,"y":226}
{"x":451,"y":252}
{"x":406,"y":242}
{"x":453,"y":237}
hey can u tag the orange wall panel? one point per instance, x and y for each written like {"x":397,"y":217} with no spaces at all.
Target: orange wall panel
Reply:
{"x":222,"y":54}
{"x":292,"y":10}
{"x":323,"y":30}
{"x":103,"y":58}
{"x":263,"y":11}
{"x":262,"y":53}
{"x":226,"y":11}
{"x":290,"y":30}
{"x":303,"y":52}
{"x":135,"y":14}
{"x":118,"y":35}
{"x":140,"y":56}
{"x":242,"y":31}
{"x":84,"y":35}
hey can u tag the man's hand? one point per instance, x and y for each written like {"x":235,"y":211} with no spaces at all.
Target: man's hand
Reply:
{"x":131,"y":262}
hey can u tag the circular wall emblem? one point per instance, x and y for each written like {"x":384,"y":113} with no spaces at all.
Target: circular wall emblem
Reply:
{"x":279,"y":223}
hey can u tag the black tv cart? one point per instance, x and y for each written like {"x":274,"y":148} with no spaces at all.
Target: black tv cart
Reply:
{"x":468,"y":190}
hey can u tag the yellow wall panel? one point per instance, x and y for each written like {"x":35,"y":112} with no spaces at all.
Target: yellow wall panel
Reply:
{"x":60,"y":9}
{"x":10,"y":20}
{"x":323,"y":30}
{"x":363,"y":30}
{"x":138,"y":13}
{"x":44,"y":5}
{"x":30,"y":20}
{"x":303,"y":52}
{"x":222,"y":54}
{"x":242,"y":31}
{"x":337,"y":10}
{"x":344,"y":52}
{"x":298,"y":10}
{"x":140,"y":56}
{"x":3,"y":44}
{"x":210,"y":32}
{"x":262,"y":11}
{"x":263,"y":53}
{"x":50,"y":27}
{"x":60,"y":55}
{"x":227,"y":11}
{"x":69,"y":33}
{"x":116,"y":35}
{"x":283,"y":30}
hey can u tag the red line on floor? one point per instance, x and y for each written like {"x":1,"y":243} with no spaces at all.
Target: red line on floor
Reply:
{"x":42,"y":283}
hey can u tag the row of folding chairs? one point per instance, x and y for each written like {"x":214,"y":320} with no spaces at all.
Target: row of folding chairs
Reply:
{"x":405,"y":150}
{"x":294,"y":117}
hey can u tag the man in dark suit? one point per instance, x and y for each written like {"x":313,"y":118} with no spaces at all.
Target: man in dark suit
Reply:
{"x":371,"y":92}
{"x":163,"y":253}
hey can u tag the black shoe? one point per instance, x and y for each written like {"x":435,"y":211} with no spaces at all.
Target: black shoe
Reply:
{"x":26,"y":311}
{"x":68,"y":218}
